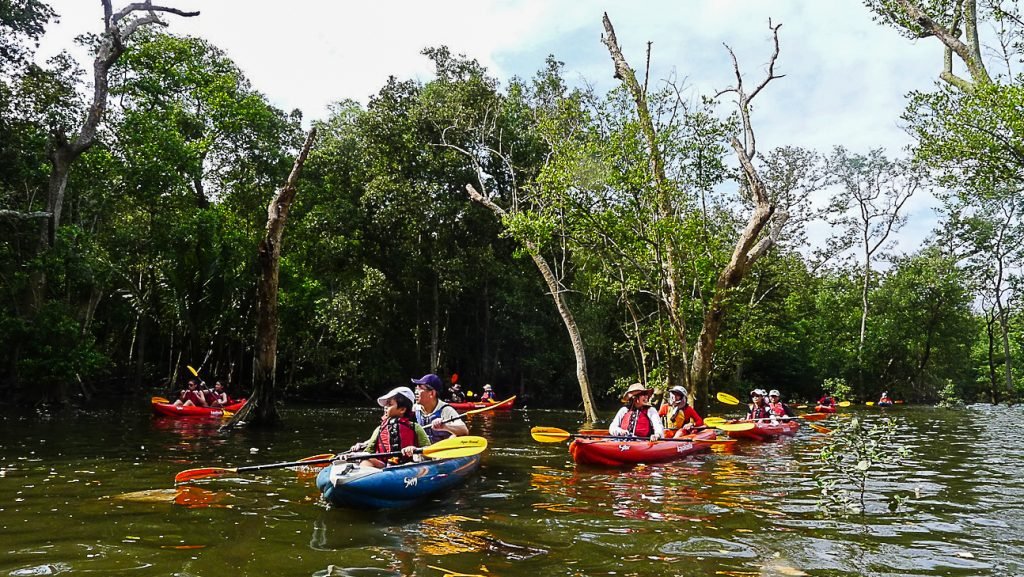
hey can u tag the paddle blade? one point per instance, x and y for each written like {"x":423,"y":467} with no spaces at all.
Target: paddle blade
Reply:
{"x":456,"y":447}
{"x":714,"y":421}
{"x":735,"y":426}
{"x":727,"y":399}
{"x":843,"y":403}
{"x":549,"y":434}
{"x":814,"y":416}
{"x":203,"y":473}
{"x":194,"y":372}
{"x":160,"y":400}
{"x":870,"y":403}
{"x":819,"y":428}
{"x":898,"y":402}
{"x":715,"y":441}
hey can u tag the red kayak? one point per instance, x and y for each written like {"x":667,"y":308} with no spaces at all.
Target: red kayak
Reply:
{"x":463,"y":407}
{"x":618,"y":453}
{"x":172,"y":410}
{"x":824,"y":408}
{"x":766,"y":430}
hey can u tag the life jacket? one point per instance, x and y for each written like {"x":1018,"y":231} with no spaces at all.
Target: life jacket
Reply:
{"x":195,"y":396}
{"x":396,"y":433}
{"x":637,"y":422}
{"x":424,"y":419}
{"x":757,"y":412}
{"x":778,"y":408}
{"x":487,"y":396}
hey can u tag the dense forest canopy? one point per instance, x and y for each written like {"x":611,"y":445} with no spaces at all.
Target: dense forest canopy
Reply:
{"x":634,"y":200}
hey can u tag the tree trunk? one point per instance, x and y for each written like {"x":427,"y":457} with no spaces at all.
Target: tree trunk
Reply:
{"x":263,"y":402}
{"x":558,"y":295}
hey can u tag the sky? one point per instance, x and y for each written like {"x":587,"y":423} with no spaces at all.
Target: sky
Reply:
{"x":846,"y":77}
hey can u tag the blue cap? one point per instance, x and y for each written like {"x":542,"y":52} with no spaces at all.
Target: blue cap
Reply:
{"x":433,"y":381}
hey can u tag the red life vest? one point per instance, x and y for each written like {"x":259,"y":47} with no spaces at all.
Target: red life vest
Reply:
{"x":195,"y":396}
{"x":637,"y":422}
{"x":778,"y":408}
{"x":759,"y":413}
{"x":396,"y":433}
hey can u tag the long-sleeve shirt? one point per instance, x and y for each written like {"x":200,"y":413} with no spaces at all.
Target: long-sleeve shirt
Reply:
{"x":652,"y":414}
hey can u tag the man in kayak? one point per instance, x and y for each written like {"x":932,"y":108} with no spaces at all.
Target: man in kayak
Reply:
{"x":397,"y":430}
{"x":777,"y":407}
{"x":191,"y":396}
{"x":679,"y":416}
{"x":638,"y":418}
{"x":758,"y":406}
{"x":431,"y":411}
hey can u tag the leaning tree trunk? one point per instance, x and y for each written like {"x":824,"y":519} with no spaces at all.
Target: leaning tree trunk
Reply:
{"x":589,"y":406}
{"x":262,"y":405}
{"x":751,"y":245}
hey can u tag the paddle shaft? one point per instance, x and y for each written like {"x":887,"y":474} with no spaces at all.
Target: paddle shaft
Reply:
{"x":477,"y":411}
{"x":285,"y":465}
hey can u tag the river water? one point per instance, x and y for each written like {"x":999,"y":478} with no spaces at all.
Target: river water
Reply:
{"x":93,"y":493}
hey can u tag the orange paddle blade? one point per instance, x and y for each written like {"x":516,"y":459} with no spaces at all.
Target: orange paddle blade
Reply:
{"x":819,"y":428}
{"x":160,"y":400}
{"x":814,"y":416}
{"x":202,"y":473}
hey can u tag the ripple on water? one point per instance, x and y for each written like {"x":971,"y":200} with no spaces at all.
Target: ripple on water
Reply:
{"x":708,"y":547}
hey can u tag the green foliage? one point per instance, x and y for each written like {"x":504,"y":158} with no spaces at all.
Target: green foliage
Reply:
{"x":837,"y":387}
{"x":853,"y":453}
{"x":949,"y":396}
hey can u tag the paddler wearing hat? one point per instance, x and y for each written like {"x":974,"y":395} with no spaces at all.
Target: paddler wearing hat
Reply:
{"x":638,"y":418}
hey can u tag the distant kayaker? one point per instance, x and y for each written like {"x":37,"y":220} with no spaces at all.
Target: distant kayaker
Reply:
{"x":217,"y":396}
{"x":758,"y":406}
{"x":456,"y":395}
{"x":827,"y":400}
{"x":431,"y":411}
{"x":488,"y":395}
{"x":777,"y":407}
{"x":680,"y":417}
{"x":397,"y":430}
{"x":191,"y":395}
{"x":884,"y":399}
{"x":638,"y":418}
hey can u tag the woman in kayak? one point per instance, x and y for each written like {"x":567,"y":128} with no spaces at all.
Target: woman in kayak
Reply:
{"x":758,"y":406}
{"x":398,"y":430}
{"x":777,"y":407}
{"x":827,"y":400}
{"x":191,"y":395}
{"x":217,"y":396}
{"x":679,"y":416}
{"x":488,"y":395}
{"x":638,"y":418}
{"x":885,"y":400}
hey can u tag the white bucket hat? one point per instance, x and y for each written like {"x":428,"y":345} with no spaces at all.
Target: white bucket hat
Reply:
{"x":402,"y":391}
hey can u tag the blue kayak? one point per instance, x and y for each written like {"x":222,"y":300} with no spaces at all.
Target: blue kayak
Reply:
{"x":349,"y":485}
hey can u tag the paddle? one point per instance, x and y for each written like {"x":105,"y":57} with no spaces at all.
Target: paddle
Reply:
{"x":446,"y":449}
{"x":159,"y":400}
{"x":556,"y":435}
{"x":727,"y":399}
{"x":449,"y":448}
{"x":205,"y":472}
{"x":844,"y":403}
{"x":870,"y":403}
{"x":819,"y":428}
{"x":482,"y":409}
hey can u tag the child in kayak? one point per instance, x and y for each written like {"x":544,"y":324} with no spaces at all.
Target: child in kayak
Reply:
{"x":680,"y":417}
{"x":758,"y":406}
{"x":488,"y":395}
{"x":777,"y":407}
{"x":398,"y":430}
{"x":638,"y":418}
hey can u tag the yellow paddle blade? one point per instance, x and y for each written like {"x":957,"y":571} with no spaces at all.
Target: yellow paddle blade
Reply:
{"x":159,"y":400}
{"x":715,"y":441}
{"x":843,"y":403}
{"x":819,"y":428}
{"x":194,"y":372}
{"x":870,"y":403}
{"x":727,"y":399}
{"x":735,"y":426}
{"x":456,"y":447}
{"x":714,"y":421}
{"x":226,"y":414}
{"x":549,"y":434}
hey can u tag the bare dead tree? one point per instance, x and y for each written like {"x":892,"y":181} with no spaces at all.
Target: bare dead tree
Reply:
{"x":763,"y":227}
{"x":264,"y":396}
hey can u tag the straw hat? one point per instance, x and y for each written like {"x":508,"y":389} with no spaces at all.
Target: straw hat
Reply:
{"x":635,"y":389}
